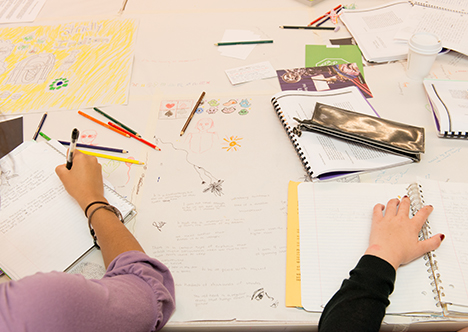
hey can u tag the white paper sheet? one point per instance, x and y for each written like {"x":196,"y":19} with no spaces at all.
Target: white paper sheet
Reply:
{"x":238,"y":51}
{"x":14,"y":11}
{"x":256,"y":71}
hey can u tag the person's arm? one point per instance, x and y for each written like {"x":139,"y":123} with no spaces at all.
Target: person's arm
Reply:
{"x":360,"y":303}
{"x":84,"y":183}
{"x":136,"y":293}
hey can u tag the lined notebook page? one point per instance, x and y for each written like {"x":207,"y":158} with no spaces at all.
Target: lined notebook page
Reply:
{"x":335,"y":220}
{"x":42,"y":228}
{"x":450,"y":217}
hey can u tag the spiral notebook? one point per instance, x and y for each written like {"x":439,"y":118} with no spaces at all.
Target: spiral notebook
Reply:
{"x":449,"y":103}
{"x":447,"y":19}
{"x":42,"y":228}
{"x":323,"y":156}
{"x":335,"y":220}
{"x":460,"y":7}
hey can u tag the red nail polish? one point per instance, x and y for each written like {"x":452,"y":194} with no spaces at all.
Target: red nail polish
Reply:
{"x":442,"y":237}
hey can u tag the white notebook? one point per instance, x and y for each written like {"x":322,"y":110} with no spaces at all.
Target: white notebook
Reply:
{"x":335,"y":221}
{"x":42,"y":228}
{"x":449,"y":103}
{"x":325,"y":157}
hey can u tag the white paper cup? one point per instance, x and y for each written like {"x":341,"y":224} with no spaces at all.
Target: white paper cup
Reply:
{"x":423,"y":50}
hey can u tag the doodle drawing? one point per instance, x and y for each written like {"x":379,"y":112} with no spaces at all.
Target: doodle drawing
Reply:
{"x":232,"y":143}
{"x":260,"y":295}
{"x":33,"y":69}
{"x":205,"y":138}
{"x":214,"y":184}
{"x":88,"y":136}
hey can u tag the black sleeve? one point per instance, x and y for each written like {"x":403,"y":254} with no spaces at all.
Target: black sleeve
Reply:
{"x":359,"y":305}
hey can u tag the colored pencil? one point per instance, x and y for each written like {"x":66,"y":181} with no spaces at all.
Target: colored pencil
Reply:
{"x":95,"y":147}
{"x":324,"y":15}
{"x":192,"y":113}
{"x":328,"y":18}
{"x":103,"y":124}
{"x":244,"y":42}
{"x":134,"y":136}
{"x":116,"y":121}
{"x":44,"y":135}
{"x":306,"y":27}
{"x":80,"y":145}
{"x":39,"y":127}
{"x":106,"y":156}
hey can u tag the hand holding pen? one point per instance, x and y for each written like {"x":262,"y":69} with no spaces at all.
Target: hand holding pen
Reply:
{"x":74,"y":139}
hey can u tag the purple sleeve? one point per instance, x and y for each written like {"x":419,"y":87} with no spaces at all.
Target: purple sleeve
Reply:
{"x":135,"y":294}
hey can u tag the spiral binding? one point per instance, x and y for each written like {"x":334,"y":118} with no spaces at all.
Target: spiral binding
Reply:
{"x":292,"y":137}
{"x":415,"y":193}
{"x":426,"y":4}
{"x":454,"y":134}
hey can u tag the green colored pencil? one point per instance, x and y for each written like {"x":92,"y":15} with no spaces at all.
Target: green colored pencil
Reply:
{"x":116,"y":121}
{"x":44,"y":135}
{"x":307,"y":27}
{"x":244,"y":42}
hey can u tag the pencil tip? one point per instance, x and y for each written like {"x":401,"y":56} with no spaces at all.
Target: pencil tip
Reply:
{"x":181,"y":133}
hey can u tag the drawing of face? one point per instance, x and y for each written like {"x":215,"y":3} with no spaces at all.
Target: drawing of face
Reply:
{"x":88,"y":136}
{"x":204,"y":124}
{"x":260,"y":295}
{"x":350,"y":69}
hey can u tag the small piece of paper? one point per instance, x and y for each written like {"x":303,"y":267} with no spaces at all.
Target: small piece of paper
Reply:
{"x":238,"y":51}
{"x":256,"y":71}
{"x":20,"y":10}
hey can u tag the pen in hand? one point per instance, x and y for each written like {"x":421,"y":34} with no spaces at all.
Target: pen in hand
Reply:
{"x":74,"y":138}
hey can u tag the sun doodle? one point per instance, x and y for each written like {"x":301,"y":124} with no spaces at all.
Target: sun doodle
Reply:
{"x":232,"y":143}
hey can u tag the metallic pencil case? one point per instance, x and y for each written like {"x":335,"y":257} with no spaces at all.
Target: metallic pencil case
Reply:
{"x":386,"y":135}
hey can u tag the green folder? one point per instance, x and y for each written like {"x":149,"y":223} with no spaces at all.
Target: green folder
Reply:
{"x":329,"y":55}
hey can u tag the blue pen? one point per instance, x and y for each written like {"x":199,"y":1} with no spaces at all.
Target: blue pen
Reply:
{"x":74,"y":138}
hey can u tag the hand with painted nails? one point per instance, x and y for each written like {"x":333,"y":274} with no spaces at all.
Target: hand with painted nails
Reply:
{"x":394,"y":235}
{"x":361,"y":302}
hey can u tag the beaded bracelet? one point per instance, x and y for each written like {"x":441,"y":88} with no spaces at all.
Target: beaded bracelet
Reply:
{"x":91,"y":204}
{"x":108,"y":208}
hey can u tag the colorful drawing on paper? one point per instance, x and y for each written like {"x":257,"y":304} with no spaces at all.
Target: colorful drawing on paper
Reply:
{"x":67,"y":66}
{"x":180,"y":109}
{"x":231,"y":143}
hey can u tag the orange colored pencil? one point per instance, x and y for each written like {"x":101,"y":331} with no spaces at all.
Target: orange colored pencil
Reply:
{"x":103,"y":124}
{"x":113,"y":125}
